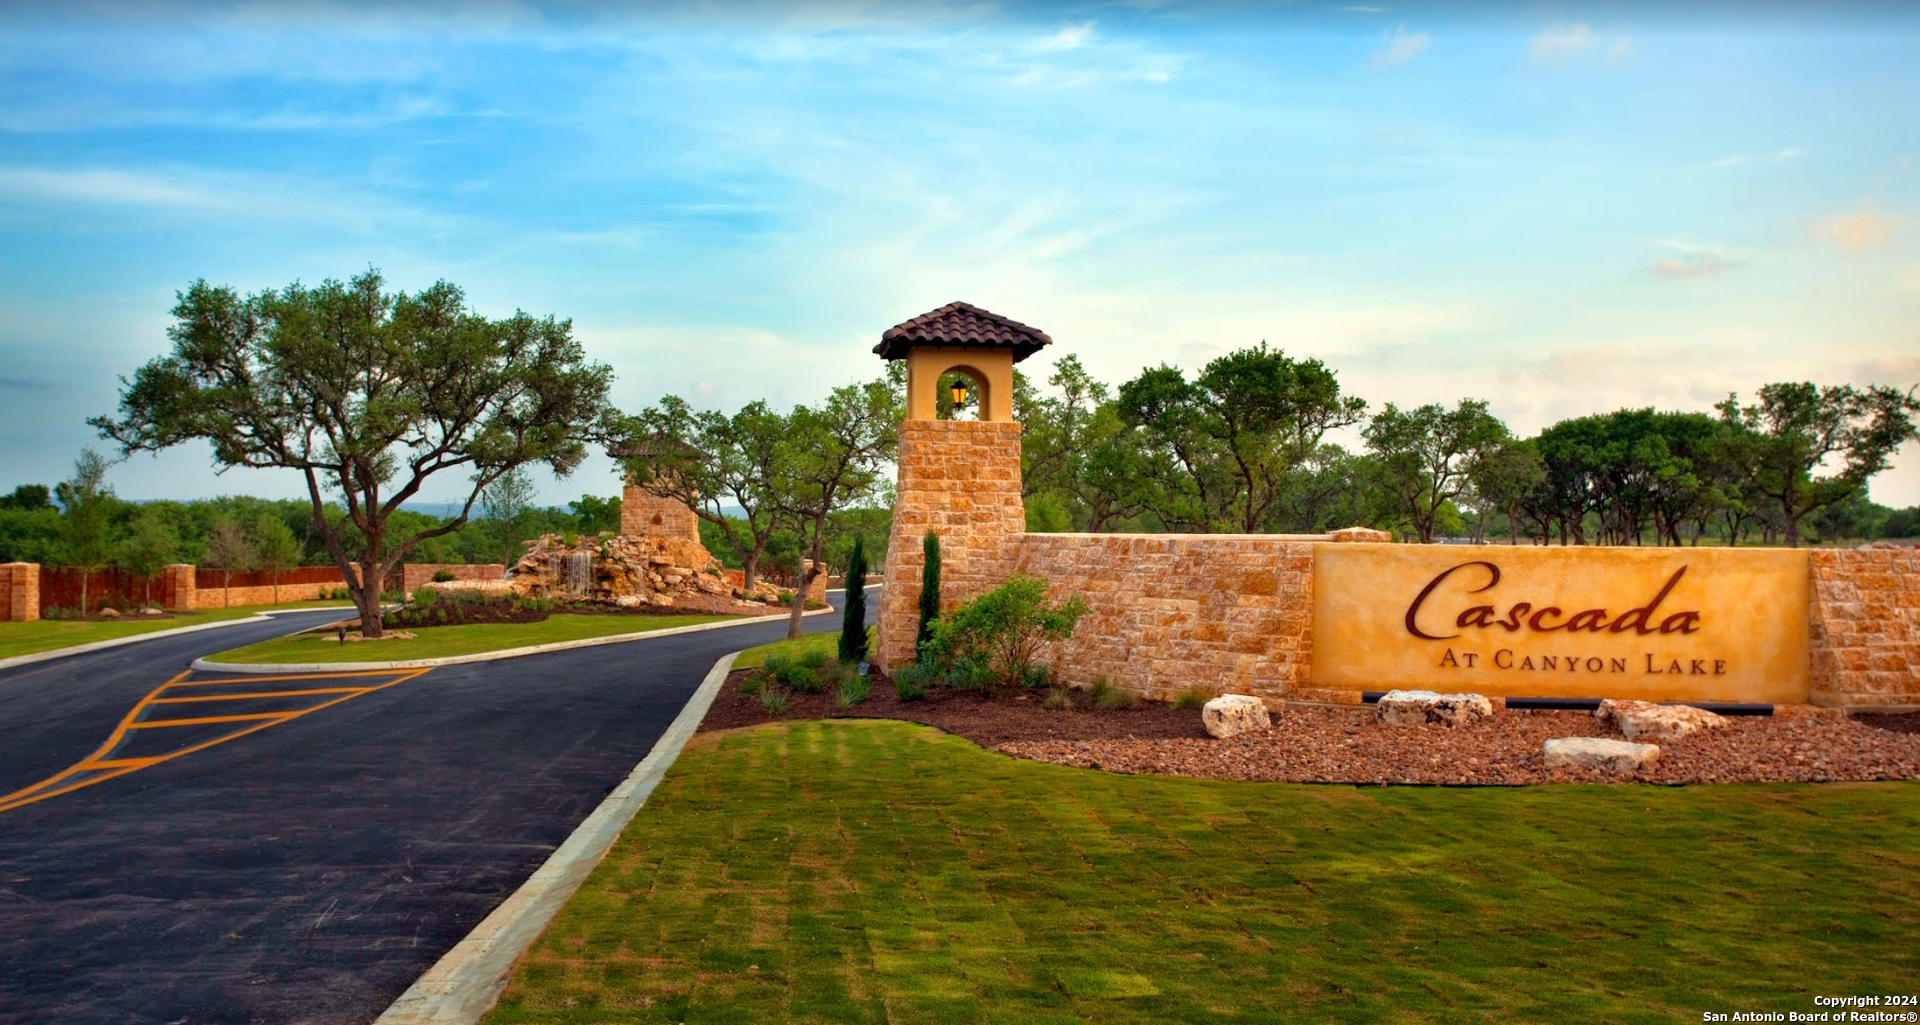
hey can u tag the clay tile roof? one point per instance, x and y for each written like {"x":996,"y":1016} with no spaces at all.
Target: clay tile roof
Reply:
{"x":962,"y":325}
{"x":654,"y":445}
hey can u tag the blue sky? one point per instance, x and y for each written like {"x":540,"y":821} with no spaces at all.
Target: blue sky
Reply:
{"x":1561,"y":209}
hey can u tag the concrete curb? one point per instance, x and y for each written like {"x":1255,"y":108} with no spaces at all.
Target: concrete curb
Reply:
{"x":81,"y":649}
{"x":205,"y":666}
{"x":464,"y":984}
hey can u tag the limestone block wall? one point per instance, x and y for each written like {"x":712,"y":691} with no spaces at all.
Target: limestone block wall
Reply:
{"x":1226,"y":612}
{"x":415,"y":574}
{"x":19,"y":592}
{"x":1865,"y":616}
{"x":961,"y":479}
{"x":644,"y":514}
{"x":217,"y":597}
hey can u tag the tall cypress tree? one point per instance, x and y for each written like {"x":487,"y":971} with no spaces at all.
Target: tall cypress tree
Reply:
{"x":929,"y":589}
{"x":853,"y":621}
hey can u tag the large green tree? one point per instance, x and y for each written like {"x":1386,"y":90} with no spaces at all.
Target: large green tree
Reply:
{"x":87,"y":504}
{"x":831,"y":459}
{"x":1796,"y":430}
{"x":275,"y":549}
{"x":367,"y":394}
{"x":1425,"y":454}
{"x":1224,"y":443}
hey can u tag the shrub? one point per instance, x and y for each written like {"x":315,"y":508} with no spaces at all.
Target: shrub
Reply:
{"x":1057,"y":700}
{"x":801,"y":678}
{"x":854,"y":690}
{"x":1037,"y":678}
{"x":1106,"y":697}
{"x":442,"y":576}
{"x":970,"y":673}
{"x":773,"y":700}
{"x":929,"y":589}
{"x":814,"y":658}
{"x":786,"y":596}
{"x":910,"y":681}
{"x":753,"y":681}
{"x":1193,"y":697}
{"x":425,"y":596}
{"x":1007,"y":629}
{"x":440,"y":616}
{"x":853,"y":617}
{"x":775,"y":663}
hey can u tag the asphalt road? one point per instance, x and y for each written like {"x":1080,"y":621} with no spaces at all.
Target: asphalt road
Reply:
{"x":309,"y":870}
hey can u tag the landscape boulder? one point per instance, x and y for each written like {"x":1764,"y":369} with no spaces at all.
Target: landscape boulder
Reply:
{"x":1646,"y":721}
{"x":109,"y":614}
{"x":1230,"y":715}
{"x":1419,"y":707}
{"x":1599,"y":753}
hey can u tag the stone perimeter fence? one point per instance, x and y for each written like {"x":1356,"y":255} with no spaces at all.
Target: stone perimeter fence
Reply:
{"x":28,"y":589}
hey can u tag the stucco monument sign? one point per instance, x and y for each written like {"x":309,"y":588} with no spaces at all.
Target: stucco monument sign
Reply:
{"x":1659,"y":624}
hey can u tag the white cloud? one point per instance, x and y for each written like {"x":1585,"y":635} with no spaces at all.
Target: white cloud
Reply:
{"x":1400,"y":47}
{"x":1071,"y":37}
{"x":1737,"y":159}
{"x":1694,"y":261}
{"x":1560,"y":44}
{"x":1857,"y":232}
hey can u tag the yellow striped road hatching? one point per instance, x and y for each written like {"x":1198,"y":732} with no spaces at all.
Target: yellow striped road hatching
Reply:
{"x":176,"y":704}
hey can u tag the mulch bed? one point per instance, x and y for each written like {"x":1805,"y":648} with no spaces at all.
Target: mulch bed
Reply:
{"x":1319,"y":744}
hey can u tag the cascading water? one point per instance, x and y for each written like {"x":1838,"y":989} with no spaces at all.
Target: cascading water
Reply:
{"x":579,"y":574}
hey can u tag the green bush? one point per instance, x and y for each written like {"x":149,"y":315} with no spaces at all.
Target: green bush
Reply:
{"x":801,"y":678}
{"x":970,"y":673}
{"x":425,"y":596}
{"x":753,"y":682}
{"x":442,"y":576}
{"x":1106,"y":697}
{"x":910,"y":681}
{"x":786,"y":597}
{"x":1193,"y":697}
{"x":1006,"y":629}
{"x":1037,"y":678}
{"x":1056,"y":700}
{"x":440,"y":616}
{"x":814,"y":658}
{"x":775,"y":663}
{"x":854,"y":690}
{"x":773,"y":700}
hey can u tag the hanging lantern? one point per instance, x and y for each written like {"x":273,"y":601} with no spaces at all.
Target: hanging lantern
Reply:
{"x":959,"y":394}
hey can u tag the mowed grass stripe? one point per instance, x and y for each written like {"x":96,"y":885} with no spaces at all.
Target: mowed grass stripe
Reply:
{"x":855,"y":871}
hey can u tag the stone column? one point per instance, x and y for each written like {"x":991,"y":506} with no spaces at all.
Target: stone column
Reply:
{"x":960,"y":479}
{"x":177,"y":585}
{"x":20,"y":592}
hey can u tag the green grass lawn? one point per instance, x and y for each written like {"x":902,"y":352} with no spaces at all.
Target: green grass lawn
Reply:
{"x":826,"y":641}
{"x":442,"y":641}
{"x":50,"y":634}
{"x":871,"y":871}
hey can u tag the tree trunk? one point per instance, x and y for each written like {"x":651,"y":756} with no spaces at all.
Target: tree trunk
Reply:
{"x":750,"y":567}
{"x":1793,"y":531}
{"x":83,"y":593}
{"x":367,"y":598}
{"x":800,"y":600}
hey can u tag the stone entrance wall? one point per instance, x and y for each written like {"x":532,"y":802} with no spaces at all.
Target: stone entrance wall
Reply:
{"x":1235,"y":612}
{"x":1865,"y":627}
{"x":19,"y":592}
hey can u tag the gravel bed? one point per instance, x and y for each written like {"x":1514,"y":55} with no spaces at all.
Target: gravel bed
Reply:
{"x":1341,"y":744}
{"x":1337,"y":745}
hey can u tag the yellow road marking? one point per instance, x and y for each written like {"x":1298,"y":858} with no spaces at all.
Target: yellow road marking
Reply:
{"x":151,"y":724}
{"x":305,"y":676}
{"x":260,"y":694}
{"x":115,"y":768}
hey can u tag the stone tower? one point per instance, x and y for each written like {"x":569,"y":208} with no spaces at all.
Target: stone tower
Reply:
{"x":958,"y":478}
{"x":645,"y":514}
